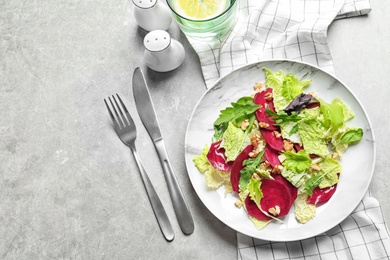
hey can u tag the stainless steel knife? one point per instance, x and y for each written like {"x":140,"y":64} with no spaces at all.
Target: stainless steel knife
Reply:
{"x":148,"y":117}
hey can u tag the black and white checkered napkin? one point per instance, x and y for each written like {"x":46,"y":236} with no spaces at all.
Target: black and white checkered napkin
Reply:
{"x":296,"y":30}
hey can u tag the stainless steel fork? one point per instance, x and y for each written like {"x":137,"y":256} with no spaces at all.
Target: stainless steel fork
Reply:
{"x":125,"y":128}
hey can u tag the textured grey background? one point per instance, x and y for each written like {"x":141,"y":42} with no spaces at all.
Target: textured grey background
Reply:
{"x":69,"y":189}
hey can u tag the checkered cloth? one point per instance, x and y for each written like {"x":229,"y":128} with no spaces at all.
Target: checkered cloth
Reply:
{"x":296,"y":30}
{"x":362,"y":235}
{"x":273,"y":29}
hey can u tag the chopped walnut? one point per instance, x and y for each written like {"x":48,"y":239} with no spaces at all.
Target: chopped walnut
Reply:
{"x":258,"y":86}
{"x":335,"y":155}
{"x":253,"y":154}
{"x":277,"y":169}
{"x":255,"y":140}
{"x":244,"y":124}
{"x":263,"y":125}
{"x":288,"y":145}
{"x":275,"y":210}
{"x":315,"y":167}
{"x":257,"y":145}
{"x":265,"y":165}
{"x":277,"y":134}
{"x":238,"y":203}
{"x":269,"y":96}
{"x":256,"y":176}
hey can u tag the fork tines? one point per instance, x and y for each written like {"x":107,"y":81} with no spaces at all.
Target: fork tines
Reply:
{"x":122,"y":119}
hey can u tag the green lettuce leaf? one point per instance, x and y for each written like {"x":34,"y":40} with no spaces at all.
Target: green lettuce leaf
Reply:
{"x":285,"y":87}
{"x":232,"y":141}
{"x":246,"y":173}
{"x":255,"y":193}
{"x":259,"y":224}
{"x":214,"y":178}
{"x":344,"y":137}
{"x":331,"y":168}
{"x":327,"y":176}
{"x":296,"y":179}
{"x":243,"y":109}
{"x":348,"y":113}
{"x":297,"y":162}
{"x":333,"y":114}
{"x":303,"y":210}
{"x":313,"y":135}
{"x":201,"y":162}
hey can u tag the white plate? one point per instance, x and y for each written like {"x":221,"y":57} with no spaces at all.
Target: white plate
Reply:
{"x":358,"y":161}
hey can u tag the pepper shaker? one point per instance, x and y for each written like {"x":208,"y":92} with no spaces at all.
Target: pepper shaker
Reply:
{"x":152,"y":15}
{"x":162,"y":53}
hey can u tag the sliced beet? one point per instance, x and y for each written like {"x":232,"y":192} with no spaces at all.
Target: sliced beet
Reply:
{"x":217,"y":158}
{"x":320,"y":196}
{"x":253,"y":210}
{"x":260,"y":99}
{"x":313,"y":105}
{"x":298,"y":147}
{"x":274,"y":142}
{"x":272,"y":156}
{"x":237,"y":166}
{"x":275,"y":194}
{"x":293,"y":190}
{"x":261,"y":113}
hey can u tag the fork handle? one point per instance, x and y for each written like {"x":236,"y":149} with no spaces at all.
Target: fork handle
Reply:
{"x":180,"y":206}
{"x":158,"y":208}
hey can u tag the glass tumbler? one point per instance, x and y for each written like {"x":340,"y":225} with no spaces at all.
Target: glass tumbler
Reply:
{"x":210,"y":28}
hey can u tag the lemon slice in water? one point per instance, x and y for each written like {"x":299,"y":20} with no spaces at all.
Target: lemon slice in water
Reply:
{"x":200,"y":9}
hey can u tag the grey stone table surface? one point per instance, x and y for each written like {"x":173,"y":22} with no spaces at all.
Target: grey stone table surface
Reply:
{"x":69,"y":189}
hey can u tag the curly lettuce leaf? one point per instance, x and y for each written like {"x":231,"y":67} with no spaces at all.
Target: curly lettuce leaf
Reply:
{"x":313,"y":135}
{"x":333,"y":114}
{"x":255,"y":193}
{"x":331,"y":168}
{"x":232,"y":141}
{"x":285,"y":87}
{"x":259,"y":224}
{"x":201,"y":162}
{"x":296,"y":179}
{"x":303,"y":210}
{"x":348,"y":113}
{"x":327,"y":175}
{"x":297,"y":162}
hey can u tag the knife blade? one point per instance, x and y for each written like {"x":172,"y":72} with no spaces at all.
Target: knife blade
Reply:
{"x":148,"y":117}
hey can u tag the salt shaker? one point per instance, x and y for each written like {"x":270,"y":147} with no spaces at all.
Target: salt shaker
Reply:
{"x":152,"y":15}
{"x":162,"y":53}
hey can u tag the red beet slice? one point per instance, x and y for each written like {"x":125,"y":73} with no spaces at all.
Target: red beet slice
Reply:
{"x":274,"y":142}
{"x":259,"y":99}
{"x":313,"y":105}
{"x":237,"y":166}
{"x":320,"y":196}
{"x":293,"y":190}
{"x":261,"y":113}
{"x":253,"y":210}
{"x":297,"y":147}
{"x":272,"y":156}
{"x":217,"y":158}
{"x":275,"y":193}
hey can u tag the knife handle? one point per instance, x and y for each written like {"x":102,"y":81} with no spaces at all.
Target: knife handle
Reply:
{"x":180,"y":206}
{"x":158,"y":208}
